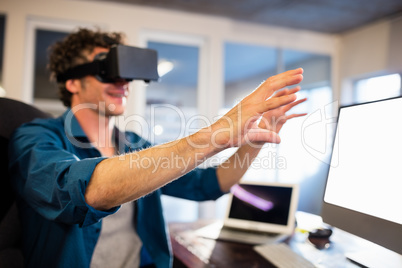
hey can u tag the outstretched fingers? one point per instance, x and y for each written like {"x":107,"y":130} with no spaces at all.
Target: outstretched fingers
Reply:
{"x":275,"y":83}
{"x":295,"y":115}
{"x":276,"y":102}
{"x":285,"y":79}
{"x":286,"y":91}
{"x":293,"y":104}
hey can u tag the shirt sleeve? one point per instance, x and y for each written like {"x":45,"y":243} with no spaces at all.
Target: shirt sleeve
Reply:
{"x":198,"y":185}
{"x":50,"y":178}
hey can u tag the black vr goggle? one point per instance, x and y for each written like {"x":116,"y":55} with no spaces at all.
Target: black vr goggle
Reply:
{"x":120,"y":63}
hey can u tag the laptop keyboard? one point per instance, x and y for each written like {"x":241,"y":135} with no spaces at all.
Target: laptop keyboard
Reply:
{"x":249,"y":237}
{"x":282,"y":256}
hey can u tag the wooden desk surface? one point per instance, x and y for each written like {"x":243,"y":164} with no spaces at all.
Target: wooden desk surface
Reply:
{"x":195,"y":252}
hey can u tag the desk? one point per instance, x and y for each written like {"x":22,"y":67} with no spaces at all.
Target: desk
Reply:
{"x":193,"y":251}
{"x":196,"y":252}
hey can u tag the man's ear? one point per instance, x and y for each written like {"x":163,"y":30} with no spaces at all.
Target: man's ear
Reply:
{"x":73,"y":85}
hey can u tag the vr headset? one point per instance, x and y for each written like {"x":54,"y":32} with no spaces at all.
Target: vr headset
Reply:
{"x":120,"y":63}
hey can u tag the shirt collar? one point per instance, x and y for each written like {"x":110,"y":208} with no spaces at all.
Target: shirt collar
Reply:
{"x":74,"y":130}
{"x":71,"y":125}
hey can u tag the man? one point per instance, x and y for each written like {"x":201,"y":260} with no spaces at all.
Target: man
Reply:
{"x":76,"y":196}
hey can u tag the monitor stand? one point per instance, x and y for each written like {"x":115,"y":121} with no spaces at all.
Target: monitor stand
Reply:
{"x":374,"y":259}
{"x":365,"y":253}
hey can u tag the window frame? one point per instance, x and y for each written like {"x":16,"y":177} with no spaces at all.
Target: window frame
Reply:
{"x":32,"y":25}
{"x":205,"y":209}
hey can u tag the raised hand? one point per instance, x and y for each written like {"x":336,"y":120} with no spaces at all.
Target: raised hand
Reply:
{"x":239,"y":126}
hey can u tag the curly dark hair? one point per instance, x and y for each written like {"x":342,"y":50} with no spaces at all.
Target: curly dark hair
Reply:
{"x":73,"y":50}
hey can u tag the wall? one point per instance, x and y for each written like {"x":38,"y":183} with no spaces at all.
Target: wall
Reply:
{"x":365,"y":50}
{"x":374,"y":49}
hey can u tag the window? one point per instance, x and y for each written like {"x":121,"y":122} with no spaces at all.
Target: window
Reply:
{"x":289,"y":162}
{"x":171,"y":106}
{"x":376,"y":88}
{"x":172,"y":101}
{"x":246,"y":65}
{"x":299,"y":163}
{"x":306,"y":147}
{"x":43,"y":87}
{"x":40,"y":34}
{"x":316,"y":88}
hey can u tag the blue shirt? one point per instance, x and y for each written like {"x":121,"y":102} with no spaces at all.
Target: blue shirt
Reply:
{"x":51,"y":163}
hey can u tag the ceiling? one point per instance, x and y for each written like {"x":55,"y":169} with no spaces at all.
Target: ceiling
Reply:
{"x":327,"y":16}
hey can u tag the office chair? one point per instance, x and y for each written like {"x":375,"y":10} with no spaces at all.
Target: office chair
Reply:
{"x":12,"y":114}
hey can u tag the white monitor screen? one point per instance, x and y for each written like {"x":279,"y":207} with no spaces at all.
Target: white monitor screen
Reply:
{"x":366,"y":166}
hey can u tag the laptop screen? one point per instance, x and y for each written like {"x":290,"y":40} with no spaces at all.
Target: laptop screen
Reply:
{"x":263,"y":206}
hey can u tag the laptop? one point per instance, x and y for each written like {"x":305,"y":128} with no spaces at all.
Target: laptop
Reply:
{"x":257,"y":213}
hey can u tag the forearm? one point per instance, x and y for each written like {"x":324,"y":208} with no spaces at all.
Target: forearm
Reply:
{"x":232,"y":170}
{"x":125,"y":178}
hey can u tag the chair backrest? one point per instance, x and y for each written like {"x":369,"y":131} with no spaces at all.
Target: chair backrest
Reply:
{"x":12,"y":114}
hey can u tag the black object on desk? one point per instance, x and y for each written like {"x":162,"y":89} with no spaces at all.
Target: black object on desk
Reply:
{"x":320,"y":237}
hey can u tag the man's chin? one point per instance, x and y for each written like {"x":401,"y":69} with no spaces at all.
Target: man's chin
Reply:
{"x":115,"y":113}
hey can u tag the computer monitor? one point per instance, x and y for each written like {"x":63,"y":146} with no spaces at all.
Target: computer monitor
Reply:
{"x":363,"y":194}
